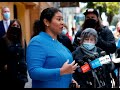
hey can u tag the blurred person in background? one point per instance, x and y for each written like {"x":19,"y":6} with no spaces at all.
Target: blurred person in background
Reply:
{"x":66,"y":32}
{"x":4,"y":24}
{"x":13,"y":69}
{"x":117,"y":34}
{"x":73,"y":31}
{"x":65,"y":38}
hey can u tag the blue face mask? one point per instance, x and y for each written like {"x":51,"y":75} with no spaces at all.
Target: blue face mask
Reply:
{"x":64,"y":31}
{"x":89,"y":46}
{"x":7,"y":15}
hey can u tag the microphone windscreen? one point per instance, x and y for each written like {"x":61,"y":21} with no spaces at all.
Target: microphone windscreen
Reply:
{"x":96,"y":55}
{"x":103,"y":53}
{"x":95,"y":63}
{"x":85,"y":68}
{"x":105,"y":59}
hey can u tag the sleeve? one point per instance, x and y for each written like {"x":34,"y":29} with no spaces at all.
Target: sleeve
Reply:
{"x":107,"y":41}
{"x":3,"y":54}
{"x":23,"y":66}
{"x":35,"y":58}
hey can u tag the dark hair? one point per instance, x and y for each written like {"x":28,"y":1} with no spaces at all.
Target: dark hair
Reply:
{"x":36,"y":27}
{"x":9,"y":31}
{"x":48,"y":14}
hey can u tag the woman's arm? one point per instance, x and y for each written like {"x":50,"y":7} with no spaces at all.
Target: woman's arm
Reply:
{"x":36,"y":57}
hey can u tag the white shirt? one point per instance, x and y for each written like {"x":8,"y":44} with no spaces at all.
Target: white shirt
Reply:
{"x":5,"y":26}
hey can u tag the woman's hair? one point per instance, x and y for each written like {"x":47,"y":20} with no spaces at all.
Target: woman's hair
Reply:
{"x":87,"y":33}
{"x":48,"y":14}
{"x":10,"y":33}
{"x":36,"y":28}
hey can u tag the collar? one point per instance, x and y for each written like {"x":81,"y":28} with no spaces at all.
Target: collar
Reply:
{"x":46,"y":35}
{"x":4,"y":21}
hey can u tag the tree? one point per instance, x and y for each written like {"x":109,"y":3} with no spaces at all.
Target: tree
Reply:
{"x":110,"y":8}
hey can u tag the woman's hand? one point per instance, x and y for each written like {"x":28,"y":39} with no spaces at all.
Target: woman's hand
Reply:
{"x":68,"y":68}
{"x":77,"y":86}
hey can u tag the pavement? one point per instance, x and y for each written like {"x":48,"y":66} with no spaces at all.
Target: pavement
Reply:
{"x":29,"y":83}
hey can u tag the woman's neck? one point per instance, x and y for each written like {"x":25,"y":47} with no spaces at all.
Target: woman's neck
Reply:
{"x":52,"y":34}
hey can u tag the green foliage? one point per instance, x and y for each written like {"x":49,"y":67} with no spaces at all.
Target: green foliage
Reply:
{"x":109,"y":7}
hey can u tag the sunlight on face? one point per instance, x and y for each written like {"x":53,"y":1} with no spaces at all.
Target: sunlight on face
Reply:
{"x":56,"y":25}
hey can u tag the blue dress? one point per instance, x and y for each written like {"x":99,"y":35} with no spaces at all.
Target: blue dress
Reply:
{"x":45,"y":56}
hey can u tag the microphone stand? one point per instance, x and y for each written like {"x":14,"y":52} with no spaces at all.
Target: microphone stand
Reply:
{"x":95,"y":77}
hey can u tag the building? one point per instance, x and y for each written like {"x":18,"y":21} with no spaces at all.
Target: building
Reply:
{"x":26,"y":13}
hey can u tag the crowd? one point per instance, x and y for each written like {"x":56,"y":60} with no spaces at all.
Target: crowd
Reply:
{"x":52,"y":59}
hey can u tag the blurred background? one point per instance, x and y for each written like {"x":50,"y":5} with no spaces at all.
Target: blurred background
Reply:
{"x":28,"y":12}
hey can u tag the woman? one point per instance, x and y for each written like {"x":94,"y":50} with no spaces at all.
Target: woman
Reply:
{"x":50,"y":64}
{"x":12,"y":57}
{"x":87,"y":49}
{"x":61,"y":37}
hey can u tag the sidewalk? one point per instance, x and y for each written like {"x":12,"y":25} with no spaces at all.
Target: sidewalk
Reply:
{"x":29,"y":83}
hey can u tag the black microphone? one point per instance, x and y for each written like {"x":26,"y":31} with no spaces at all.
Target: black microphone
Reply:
{"x":80,"y":62}
{"x":103,"y":53}
{"x":88,"y":58}
{"x":96,"y":55}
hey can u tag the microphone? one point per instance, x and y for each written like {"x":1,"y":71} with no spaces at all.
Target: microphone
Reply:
{"x":88,"y":58}
{"x":103,"y":53}
{"x":93,"y":61}
{"x":96,"y":55}
{"x":94,"y":64}
{"x":83,"y":66}
{"x":88,"y":64}
{"x":105,"y":60}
